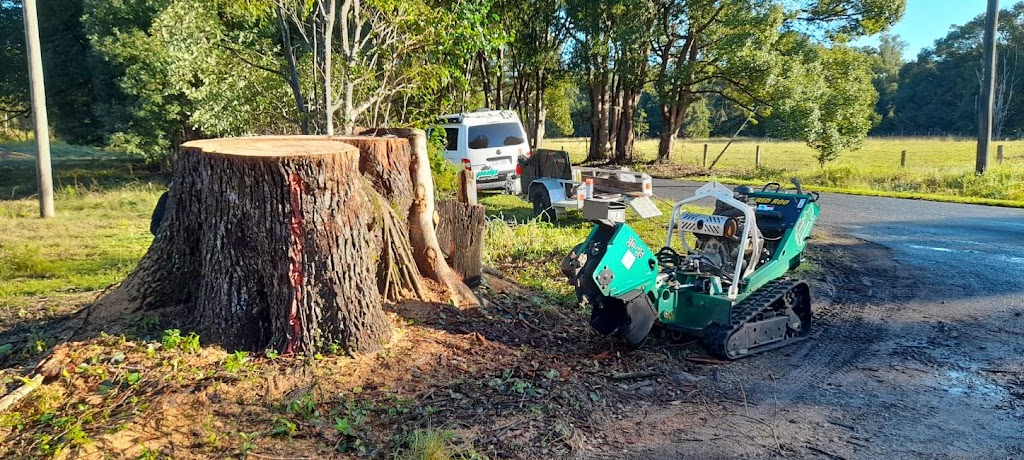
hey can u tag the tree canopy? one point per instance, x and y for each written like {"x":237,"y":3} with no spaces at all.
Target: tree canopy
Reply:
{"x":145,"y":75}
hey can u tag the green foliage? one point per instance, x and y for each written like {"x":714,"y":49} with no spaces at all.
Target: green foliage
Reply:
{"x":173,"y":340}
{"x":827,"y":101}
{"x":433,"y":444}
{"x":443,"y":172}
{"x":561,"y":99}
{"x":304,"y":406}
{"x":283,"y":427}
{"x":697,"y":124}
{"x":186,"y":70}
{"x":886,"y":62}
{"x":236,"y":362}
{"x":14,"y":97}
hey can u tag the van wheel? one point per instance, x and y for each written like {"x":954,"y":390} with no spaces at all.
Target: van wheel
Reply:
{"x":542,"y":209}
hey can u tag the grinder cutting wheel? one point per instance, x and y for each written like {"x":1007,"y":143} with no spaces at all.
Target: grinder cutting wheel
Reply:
{"x":729,"y":288}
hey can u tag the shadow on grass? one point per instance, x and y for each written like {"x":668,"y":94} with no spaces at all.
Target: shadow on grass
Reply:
{"x":74,"y":169}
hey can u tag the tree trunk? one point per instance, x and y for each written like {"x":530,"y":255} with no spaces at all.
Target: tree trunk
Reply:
{"x":614,"y":117}
{"x":672,"y":117}
{"x":599,"y":119}
{"x":625,"y":139}
{"x":266,"y":242}
{"x":461,"y":235}
{"x":541,"y":111}
{"x":485,"y":78}
{"x":293,"y":72}
{"x":290,"y":242}
{"x":665,"y":142}
{"x":499,"y":79}
{"x":326,"y":17}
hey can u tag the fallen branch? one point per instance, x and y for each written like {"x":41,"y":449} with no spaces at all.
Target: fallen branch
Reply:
{"x":635,"y":375}
{"x":705,"y":360}
{"x":16,"y":395}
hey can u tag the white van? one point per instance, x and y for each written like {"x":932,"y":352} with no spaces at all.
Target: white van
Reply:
{"x":489,"y":142}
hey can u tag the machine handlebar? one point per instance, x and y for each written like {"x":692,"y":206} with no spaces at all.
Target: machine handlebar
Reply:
{"x":799,"y":186}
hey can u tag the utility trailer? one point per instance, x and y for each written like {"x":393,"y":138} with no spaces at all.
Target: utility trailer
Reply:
{"x":549,"y":181}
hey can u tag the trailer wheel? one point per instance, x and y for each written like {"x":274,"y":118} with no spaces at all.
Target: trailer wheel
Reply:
{"x":542,"y":209}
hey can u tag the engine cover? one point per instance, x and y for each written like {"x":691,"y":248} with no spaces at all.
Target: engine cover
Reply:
{"x":705,"y":224}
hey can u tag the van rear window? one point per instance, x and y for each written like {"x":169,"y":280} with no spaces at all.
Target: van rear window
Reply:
{"x":496,"y":135}
{"x":451,"y":139}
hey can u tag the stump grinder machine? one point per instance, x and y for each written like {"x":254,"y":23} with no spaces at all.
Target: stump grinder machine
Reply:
{"x":728,"y":288}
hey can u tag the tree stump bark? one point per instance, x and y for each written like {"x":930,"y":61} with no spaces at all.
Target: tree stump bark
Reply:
{"x":291,"y":242}
{"x":461,"y":235}
{"x":422,"y":234}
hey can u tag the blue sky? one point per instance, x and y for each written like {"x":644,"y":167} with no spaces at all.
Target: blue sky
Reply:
{"x":928,"y":20}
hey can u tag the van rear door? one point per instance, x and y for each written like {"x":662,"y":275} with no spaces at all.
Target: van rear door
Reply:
{"x":496,"y":147}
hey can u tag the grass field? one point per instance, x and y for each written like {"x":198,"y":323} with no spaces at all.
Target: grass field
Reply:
{"x":936,"y":168}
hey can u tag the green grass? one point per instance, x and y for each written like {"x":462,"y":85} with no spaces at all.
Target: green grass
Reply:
{"x":103,"y":204}
{"x":938,"y":169}
{"x":531,"y":251}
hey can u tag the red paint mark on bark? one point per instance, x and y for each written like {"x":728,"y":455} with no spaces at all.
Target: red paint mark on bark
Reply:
{"x":295,"y":274}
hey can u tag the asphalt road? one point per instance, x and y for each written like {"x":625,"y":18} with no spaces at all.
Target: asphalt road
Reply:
{"x":917,"y":351}
{"x":983,"y":243}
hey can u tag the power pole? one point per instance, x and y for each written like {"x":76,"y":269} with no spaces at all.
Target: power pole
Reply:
{"x":988,"y":85}
{"x":42,"y":129}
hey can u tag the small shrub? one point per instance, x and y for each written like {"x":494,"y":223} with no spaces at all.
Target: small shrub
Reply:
{"x":283,"y":427}
{"x":173,"y":340}
{"x":432,"y":444}
{"x":236,"y":362}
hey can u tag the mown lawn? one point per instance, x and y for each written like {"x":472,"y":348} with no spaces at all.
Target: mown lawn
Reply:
{"x":101,"y":229}
{"x":937,"y":168}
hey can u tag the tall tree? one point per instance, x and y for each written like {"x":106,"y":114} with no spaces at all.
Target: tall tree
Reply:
{"x":610,"y":52}
{"x":886,"y":62}
{"x":732,"y":48}
{"x":13,"y":70}
{"x":828,"y":99}
{"x":533,"y":55}
{"x":938,"y":92}
{"x":713,"y":47}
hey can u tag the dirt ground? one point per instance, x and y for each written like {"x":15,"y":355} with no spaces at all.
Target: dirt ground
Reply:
{"x":885,"y":374}
{"x":889,"y":372}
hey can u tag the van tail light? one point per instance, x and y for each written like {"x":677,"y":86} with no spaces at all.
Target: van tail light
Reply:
{"x":466,"y":164}
{"x":519,"y":170}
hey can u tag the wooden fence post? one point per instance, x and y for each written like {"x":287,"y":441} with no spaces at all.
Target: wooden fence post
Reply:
{"x":467,"y":187}
{"x":705,"y":155}
{"x":903,"y":159}
{"x":999,"y":154}
{"x":757,"y":157}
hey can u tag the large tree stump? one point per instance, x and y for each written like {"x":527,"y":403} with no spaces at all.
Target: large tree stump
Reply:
{"x":291,"y":242}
